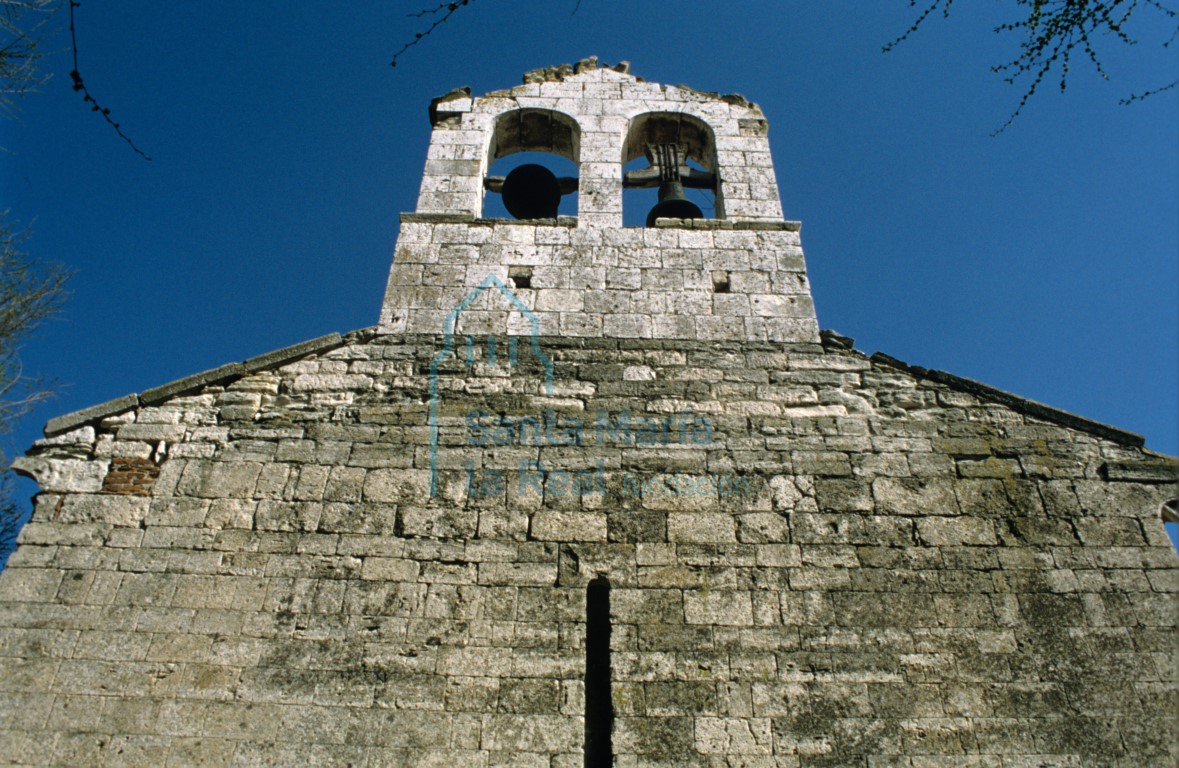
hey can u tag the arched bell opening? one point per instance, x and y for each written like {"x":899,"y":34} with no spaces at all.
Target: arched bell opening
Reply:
{"x":669,"y":170}
{"x":532,"y":166}
{"x":530,"y":185}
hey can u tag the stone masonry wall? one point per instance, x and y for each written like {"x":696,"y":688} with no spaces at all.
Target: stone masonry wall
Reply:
{"x":708,"y":281}
{"x":601,"y":106}
{"x":379,"y":549}
{"x":815,"y":559}
{"x":737,"y":276}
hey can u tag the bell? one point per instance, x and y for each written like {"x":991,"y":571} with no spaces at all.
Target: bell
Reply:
{"x":673,"y":205}
{"x":532,"y":192}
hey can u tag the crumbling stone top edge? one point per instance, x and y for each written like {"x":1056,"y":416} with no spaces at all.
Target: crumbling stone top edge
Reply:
{"x":1015,"y":402}
{"x":562,"y":72}
{"x":69,"y":421}
{"x":360,"y":335}
{"x":734,"y":99}
{"x":589,"y":69}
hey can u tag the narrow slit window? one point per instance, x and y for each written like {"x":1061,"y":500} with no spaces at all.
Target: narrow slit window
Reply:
{"x":599,"y":708}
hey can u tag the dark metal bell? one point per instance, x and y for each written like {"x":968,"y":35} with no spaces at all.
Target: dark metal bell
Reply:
{"x":673,"y":205}
{"x":532,"y":192}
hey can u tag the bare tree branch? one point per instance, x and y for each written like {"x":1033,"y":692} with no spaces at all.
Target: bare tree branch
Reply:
{"x":80,"y":85}
{"x":933,"y":6}
{"x":445,"y":9}
{"x":18,"y":49}
{"x":1145,"y":94}
{"x":9,"y":515}
{"x":1054,"y":32}
{"x":30,"y":292}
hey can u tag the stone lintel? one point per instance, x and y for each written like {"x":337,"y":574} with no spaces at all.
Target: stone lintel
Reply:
{"x":467,"y":218}
{"x":437,"y":218}
{"x":190,"y":383}
{"x":65,"y":423}
{"x":286,"y":354}
{"x":765,"y":225}
{"x":1015,"y":402}
{"x":1159,"y":469}
{"x":560,"y":221}
{"x":769,"y":225}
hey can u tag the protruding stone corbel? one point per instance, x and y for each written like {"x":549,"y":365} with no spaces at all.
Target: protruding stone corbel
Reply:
{"x":56,"y":475}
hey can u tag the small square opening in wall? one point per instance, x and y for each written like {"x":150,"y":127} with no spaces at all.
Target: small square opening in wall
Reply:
{"x":521,"y":277}
{"x":720,"y":282}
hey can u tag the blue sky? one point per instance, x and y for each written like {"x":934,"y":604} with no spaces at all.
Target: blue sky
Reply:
{"x":1044,"y":261}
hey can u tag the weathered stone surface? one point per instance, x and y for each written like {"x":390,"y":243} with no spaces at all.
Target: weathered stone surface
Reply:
{"x":63,"y":475}
{"x":190,"y":383}
{"x":293,"y":352}
{"x":70,"y":421}
{"x":921,"y":583}
{"x":650,"y":270}
{"x":378,"y":549}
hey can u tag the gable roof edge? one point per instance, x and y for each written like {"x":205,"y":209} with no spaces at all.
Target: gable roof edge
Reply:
{"x":186,"y":384}
{"x":1015,"y":402}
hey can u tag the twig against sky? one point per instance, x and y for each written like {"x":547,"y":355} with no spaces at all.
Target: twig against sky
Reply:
{"x":80,"y":85}
{"x":1056,"y":31}
{"x":446,"y":9}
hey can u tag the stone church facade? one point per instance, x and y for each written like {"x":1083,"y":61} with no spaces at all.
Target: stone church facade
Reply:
{"x":588,"y":495}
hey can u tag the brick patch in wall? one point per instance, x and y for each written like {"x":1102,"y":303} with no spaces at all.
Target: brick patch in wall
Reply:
{"x":131,"y":477}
